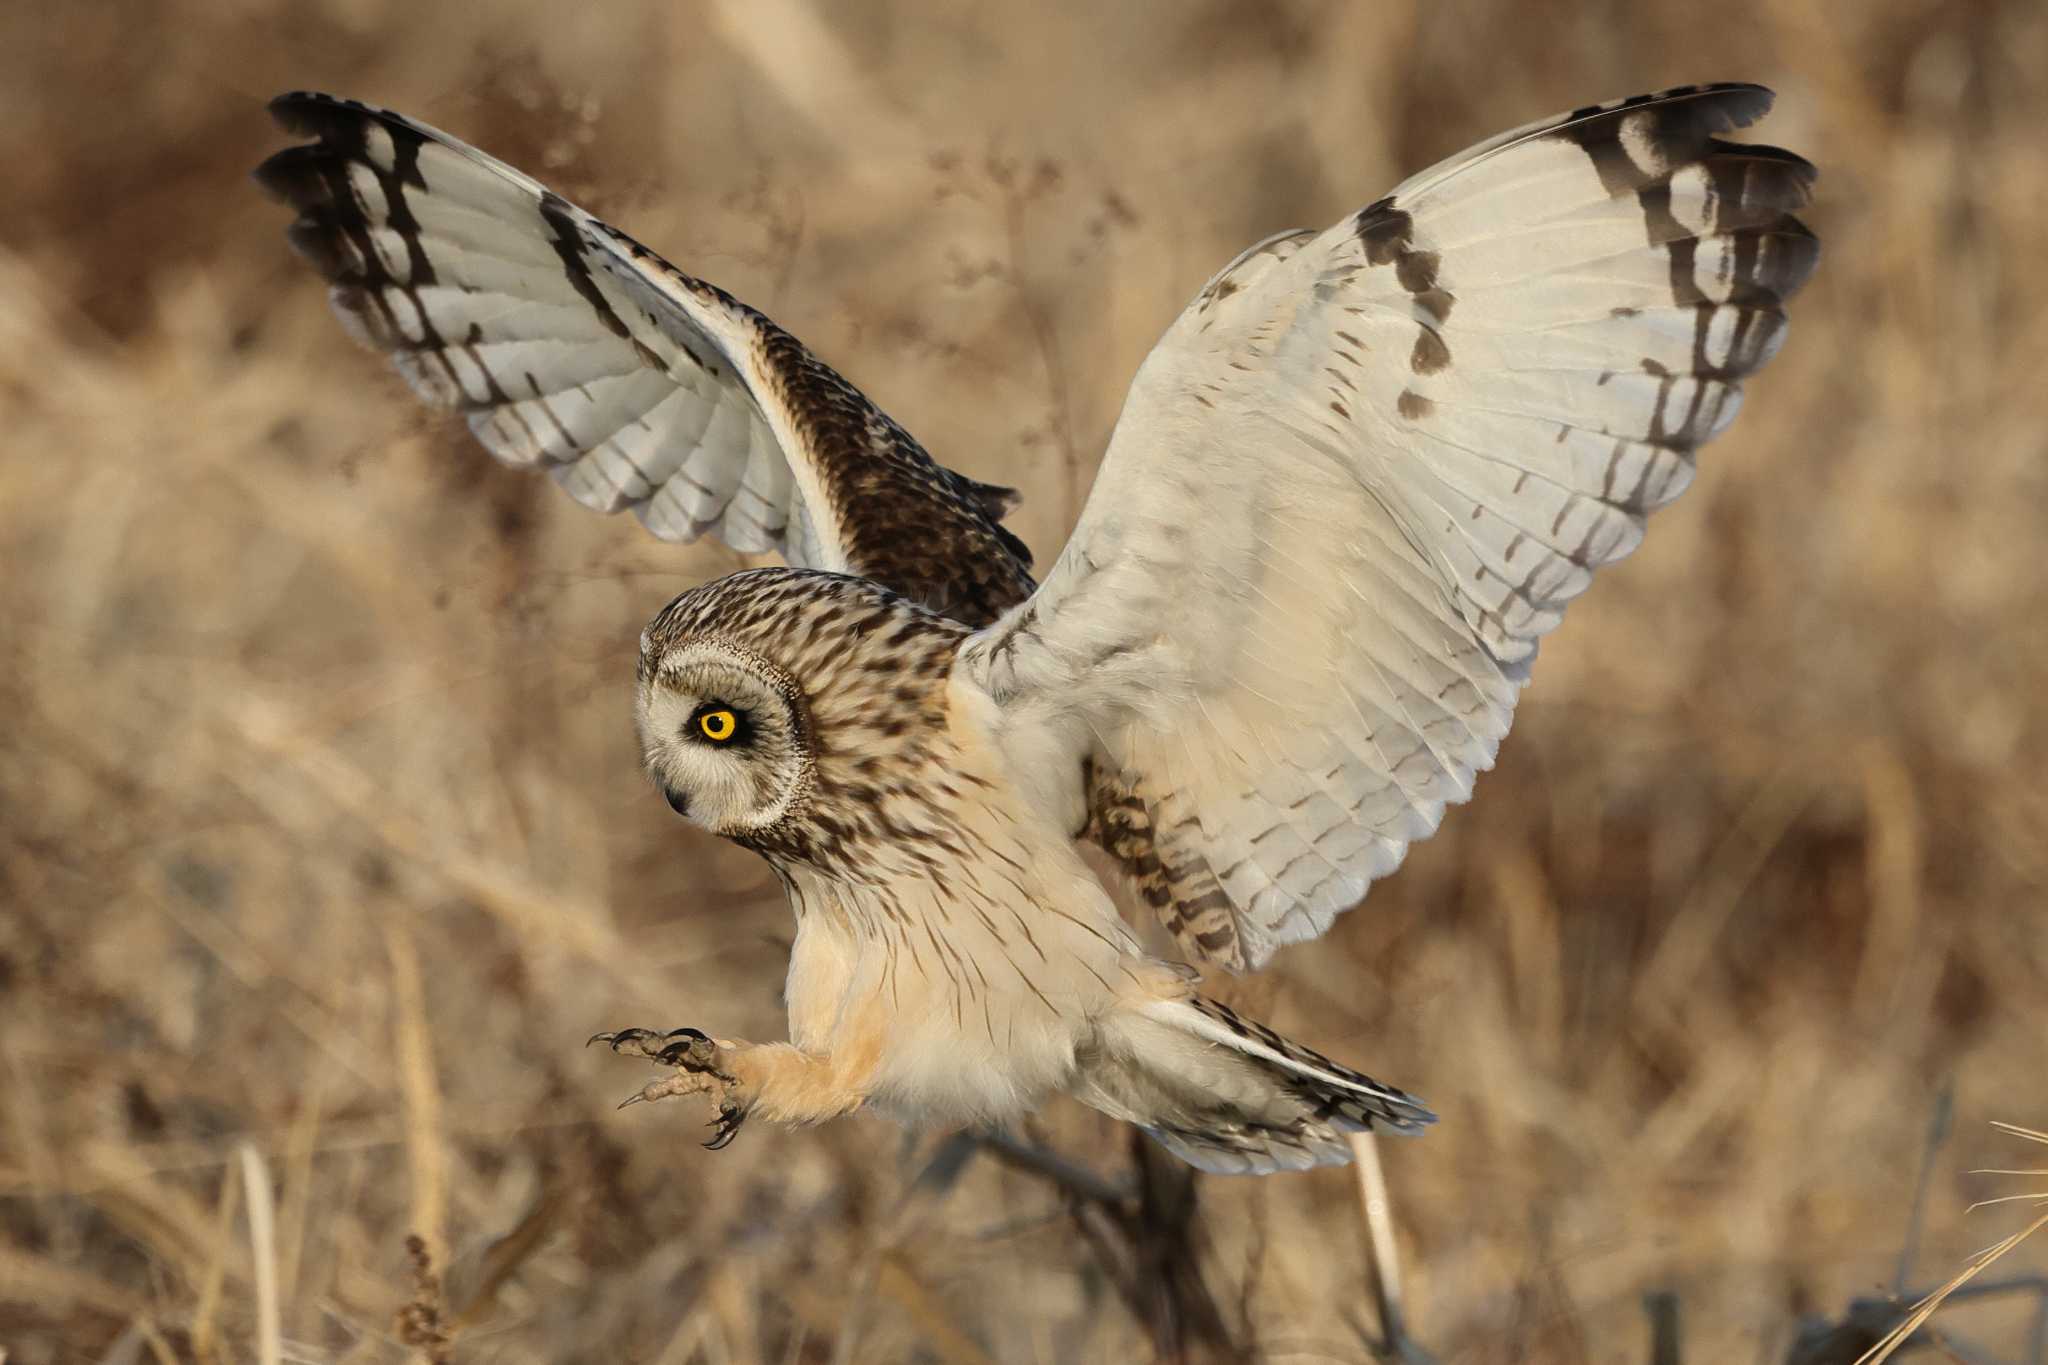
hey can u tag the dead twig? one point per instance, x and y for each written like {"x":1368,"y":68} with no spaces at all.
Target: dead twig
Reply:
{"x":1382,"y":1256}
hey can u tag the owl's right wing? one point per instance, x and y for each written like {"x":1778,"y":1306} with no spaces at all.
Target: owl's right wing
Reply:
{"x":1359,"y":480}
{"x":570,"y":346}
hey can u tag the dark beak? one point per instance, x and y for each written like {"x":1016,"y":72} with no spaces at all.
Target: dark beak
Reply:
{"x":677,"y":802}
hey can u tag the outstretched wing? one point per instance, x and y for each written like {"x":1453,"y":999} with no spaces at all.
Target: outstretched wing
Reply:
{"x":1359,"y":480}
{"x":568,"y":345}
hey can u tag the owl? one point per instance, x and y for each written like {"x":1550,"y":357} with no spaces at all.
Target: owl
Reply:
{"x":1352,"y":488}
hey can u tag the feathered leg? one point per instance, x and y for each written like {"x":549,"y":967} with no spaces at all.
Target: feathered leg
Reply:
{"x":778,"y":1081}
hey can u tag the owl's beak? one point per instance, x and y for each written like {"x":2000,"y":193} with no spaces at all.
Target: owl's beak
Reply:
{"x":677,"y":801}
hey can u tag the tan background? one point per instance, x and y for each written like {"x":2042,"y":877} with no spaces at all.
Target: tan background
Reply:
{"x":321,"y":828}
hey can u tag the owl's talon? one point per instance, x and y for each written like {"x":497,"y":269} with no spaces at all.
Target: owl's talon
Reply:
{"x":691,"y":1049}
{"x":632,"y":1040}
{"x":727,"y":1124}
{"x":640,"y":1042}
{"x":693,"y":1052}
{"x":695,"y":1057}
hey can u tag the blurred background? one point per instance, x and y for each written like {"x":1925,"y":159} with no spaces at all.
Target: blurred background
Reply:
{"x":324,"y":844}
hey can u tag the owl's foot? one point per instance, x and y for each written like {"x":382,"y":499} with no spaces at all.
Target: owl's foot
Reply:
{"x":702,"y":1067}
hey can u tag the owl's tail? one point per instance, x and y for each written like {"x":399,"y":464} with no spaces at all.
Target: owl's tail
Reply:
{"x":1229,"y":1095}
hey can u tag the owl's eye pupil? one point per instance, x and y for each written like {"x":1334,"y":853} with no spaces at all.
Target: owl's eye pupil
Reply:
{"x":719,"y":725}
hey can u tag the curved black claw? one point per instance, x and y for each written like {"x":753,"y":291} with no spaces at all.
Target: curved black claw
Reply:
{"x":685,"y":1047}
{"x":624,"y":1035}
{"x":727,"y":1124}
{"x":690,"y":1048}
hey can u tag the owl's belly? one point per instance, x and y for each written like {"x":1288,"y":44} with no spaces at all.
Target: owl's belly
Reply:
{"x":948,"y":1036}
{"x":996,"y":1060}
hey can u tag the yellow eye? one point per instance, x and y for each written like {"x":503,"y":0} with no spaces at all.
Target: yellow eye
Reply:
{"x":718,"y":726}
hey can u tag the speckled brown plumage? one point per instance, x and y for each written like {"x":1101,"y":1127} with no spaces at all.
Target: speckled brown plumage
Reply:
{"x":1182,"y":891}
{"x":866,"y":672}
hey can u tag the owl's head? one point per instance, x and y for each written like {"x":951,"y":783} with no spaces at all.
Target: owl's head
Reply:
{"x":724,"y":733}
{"x":781,"y":707}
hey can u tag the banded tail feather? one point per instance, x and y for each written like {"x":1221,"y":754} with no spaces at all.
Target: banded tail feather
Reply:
{"x":1229,"y":1095}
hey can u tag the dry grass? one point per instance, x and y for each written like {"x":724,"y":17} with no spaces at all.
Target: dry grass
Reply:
{"x":322,"y":837}
{"x":1913,"y":1320}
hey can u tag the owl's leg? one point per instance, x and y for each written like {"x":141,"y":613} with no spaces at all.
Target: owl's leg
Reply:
{"x":780,"y":1082}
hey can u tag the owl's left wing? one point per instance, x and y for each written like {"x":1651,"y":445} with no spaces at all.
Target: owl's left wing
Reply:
{"x":1361,"y":477}
{"x":569,"y":346}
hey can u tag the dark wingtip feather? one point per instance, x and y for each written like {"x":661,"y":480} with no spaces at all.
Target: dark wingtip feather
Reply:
{"x":1736,"y":103}
{"x":295,"y":175}
{"x":310,"y":112}
{"x":1793,"y":168}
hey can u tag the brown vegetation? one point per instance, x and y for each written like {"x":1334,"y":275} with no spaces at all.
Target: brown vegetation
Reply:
{"x":323,"y":843}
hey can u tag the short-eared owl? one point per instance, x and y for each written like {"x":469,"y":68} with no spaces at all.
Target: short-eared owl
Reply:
{"x":1352,"y":488}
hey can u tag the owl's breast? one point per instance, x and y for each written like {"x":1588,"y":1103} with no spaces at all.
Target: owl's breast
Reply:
{"x":963,"y":996}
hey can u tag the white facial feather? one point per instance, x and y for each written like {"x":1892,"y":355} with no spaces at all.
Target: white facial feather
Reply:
{"x":730,"y":787}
